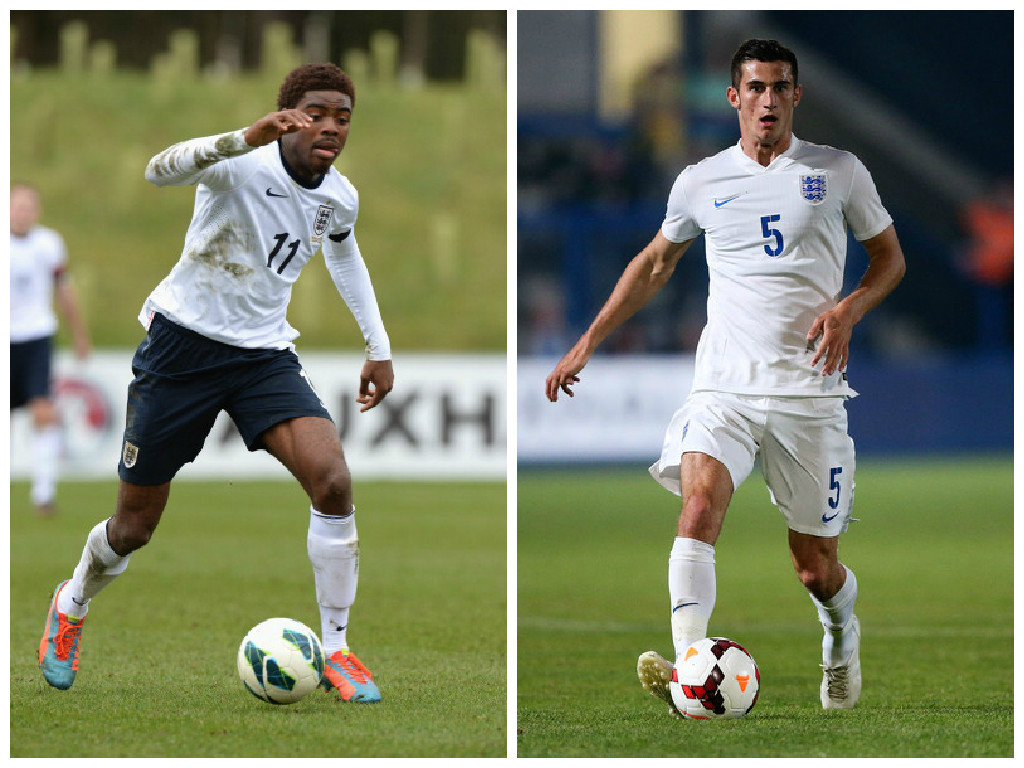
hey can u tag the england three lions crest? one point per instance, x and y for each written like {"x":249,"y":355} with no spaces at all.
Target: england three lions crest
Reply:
{"x":814,"y":187}
{"x":323,"y":218}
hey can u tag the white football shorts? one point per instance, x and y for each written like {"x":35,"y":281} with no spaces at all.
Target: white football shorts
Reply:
{"x":807,"y":456}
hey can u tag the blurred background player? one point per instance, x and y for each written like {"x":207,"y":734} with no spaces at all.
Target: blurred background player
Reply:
{"x":217,"y":338}
{"x":770,"y":375}
{"x":38,"y":275}
{"x":988,"y":262}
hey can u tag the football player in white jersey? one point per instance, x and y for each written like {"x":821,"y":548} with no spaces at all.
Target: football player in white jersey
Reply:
{"x":38,"y":276}
{"x":770,"y":376}
{"x":217,"y":338}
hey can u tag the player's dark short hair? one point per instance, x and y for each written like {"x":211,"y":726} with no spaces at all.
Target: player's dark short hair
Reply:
{"x":761,"y":50}
{"x":314,"y":77}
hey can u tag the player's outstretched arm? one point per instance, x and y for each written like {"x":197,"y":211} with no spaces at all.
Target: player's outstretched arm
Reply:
{"x":835,"y":327}
{"x":187,"y":161}
{"x":642,"y":279}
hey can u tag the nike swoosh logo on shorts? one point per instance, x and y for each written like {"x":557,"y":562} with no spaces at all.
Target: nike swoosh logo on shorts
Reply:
{"x":827,"y":519}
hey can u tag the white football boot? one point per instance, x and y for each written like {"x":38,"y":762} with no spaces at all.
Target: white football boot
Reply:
{"x":655,"y":673}
{"x":840,"y":685}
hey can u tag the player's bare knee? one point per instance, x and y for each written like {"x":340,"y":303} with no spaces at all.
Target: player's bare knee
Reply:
{"x":811,"y":578}
{"x":698,"y":518}
{"x":44,"y":413}
{"x":820,"y":579}
{"x":128,"y":533}
{"x":332,"y":492}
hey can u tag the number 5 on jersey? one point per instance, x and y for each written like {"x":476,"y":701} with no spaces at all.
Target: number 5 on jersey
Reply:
{"x":772,"y":234}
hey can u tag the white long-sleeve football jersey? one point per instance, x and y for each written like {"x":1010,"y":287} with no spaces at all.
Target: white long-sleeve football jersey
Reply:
{"x":253,"y":229}
{"x":37,"y":260}
{"x":775,"y":240}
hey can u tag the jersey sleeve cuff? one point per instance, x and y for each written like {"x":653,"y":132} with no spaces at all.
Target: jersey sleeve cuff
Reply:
{"x":377,"y":350}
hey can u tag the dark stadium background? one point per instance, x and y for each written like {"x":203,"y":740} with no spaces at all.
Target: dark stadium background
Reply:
{"x":924,"y":98}
{"x":611,"y":106}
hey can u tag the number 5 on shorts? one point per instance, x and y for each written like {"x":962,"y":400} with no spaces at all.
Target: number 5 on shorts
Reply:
{"x":833,"y":486}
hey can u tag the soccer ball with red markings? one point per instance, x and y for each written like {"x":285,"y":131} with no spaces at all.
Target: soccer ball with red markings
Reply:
{"x":715,"y":678}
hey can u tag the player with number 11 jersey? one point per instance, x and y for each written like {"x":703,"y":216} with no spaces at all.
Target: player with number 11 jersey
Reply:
{"x":254,"y":228}
{"x":218,"y":341}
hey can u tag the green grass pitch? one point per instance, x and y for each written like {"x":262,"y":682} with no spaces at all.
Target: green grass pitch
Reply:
{"x":157,"y":675}
{"x":933,"y":554}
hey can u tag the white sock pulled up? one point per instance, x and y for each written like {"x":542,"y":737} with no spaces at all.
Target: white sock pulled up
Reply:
{"x":836,"y":617}
{"x":692,"y":590}
{"x":333,"y":547}
{"x":98,"y":566}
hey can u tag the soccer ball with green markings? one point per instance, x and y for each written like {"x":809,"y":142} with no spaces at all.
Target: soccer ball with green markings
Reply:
{"x":280,"y":661}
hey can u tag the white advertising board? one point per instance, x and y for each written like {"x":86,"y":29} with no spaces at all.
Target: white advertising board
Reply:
{"x":620,"y":410}
{"x":445,"y":419}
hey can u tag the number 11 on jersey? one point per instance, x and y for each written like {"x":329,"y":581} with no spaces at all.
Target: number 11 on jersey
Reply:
{"x":293,"y":249}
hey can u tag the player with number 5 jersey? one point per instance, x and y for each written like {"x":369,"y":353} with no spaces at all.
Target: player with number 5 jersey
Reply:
{"x":770,"y":377}
{"x":217,"y":339}
{"x":775,"y":243}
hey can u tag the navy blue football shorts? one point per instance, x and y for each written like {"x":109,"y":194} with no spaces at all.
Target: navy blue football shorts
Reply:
{"x":30,"y":370}
{"x":183,"y":380}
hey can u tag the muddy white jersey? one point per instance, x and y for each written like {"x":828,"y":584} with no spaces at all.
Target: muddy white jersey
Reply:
{"x":775,"y":240}
{"x":253,"y":229}
{"x":37,"y":261}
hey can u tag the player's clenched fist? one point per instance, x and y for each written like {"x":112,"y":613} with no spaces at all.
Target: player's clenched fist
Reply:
{"x":276,"y":124}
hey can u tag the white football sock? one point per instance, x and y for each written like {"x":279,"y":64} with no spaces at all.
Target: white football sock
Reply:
{"x":45,"y":464}
{"x":99,"y":566}
{"x":333,"y":546}
{"x":691,"y":589}
{"x":836,"y":616}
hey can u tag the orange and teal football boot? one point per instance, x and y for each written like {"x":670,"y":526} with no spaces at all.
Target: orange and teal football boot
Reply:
{"x":346,"y":674}
{"x":58,"y":648}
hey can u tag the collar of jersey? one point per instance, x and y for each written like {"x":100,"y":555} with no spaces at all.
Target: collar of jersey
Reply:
{"x":784,"y":159}
{"x":288,"y":169}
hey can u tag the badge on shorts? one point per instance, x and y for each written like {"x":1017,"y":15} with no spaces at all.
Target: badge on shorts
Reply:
{"x":130,"y":454}
{"x":814,"y":187}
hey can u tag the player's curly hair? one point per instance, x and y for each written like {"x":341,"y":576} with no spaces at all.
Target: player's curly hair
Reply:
{"x":761,"y":50}
{"x":314,"y":77}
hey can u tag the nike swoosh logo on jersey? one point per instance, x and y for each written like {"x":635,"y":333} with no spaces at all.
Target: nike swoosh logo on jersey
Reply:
{"x":724,"y":200}
{"x":273,"y":194}
{"x":340,"y":236}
